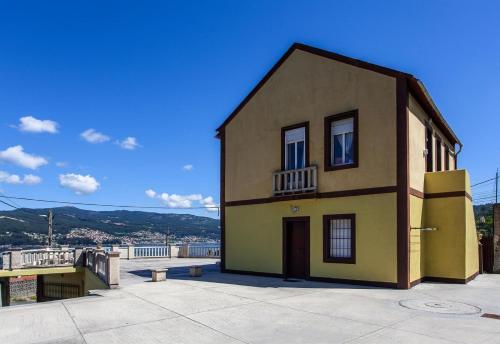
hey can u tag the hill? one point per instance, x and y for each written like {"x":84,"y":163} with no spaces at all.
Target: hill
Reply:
{"x":78,"y":226}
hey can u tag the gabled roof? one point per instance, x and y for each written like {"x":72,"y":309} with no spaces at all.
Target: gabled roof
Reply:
{"x":415,"y":86}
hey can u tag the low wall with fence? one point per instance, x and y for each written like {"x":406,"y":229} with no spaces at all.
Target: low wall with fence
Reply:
{"x":170,"y":251}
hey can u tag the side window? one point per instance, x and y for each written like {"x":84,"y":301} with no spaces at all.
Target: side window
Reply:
{"x":429,"y":146}
{"x":339,"y":238}
{"x":341,"y":141}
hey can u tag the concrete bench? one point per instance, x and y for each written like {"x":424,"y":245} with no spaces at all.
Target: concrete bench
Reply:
{"x":195,"y":271}
{"x":158,"y":275}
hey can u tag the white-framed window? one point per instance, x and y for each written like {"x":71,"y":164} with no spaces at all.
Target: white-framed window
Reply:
{"x":295,"y":148}
{"x":342,"y":142}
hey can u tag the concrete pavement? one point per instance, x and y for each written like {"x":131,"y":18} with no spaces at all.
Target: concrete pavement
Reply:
{"x":226,"y":308}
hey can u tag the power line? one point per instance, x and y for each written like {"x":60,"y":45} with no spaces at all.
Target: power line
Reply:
{"x":104,"y":205}
{"x":10,"y":205}
{"x":484,"y":181}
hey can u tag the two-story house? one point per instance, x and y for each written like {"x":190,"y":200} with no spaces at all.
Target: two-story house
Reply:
{"x":335,"y":169}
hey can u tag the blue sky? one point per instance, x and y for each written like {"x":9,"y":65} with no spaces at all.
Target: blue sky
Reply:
{"x":167,"y":73}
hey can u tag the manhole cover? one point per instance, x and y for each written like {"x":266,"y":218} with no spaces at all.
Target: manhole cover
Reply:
{"x":443,"y":307}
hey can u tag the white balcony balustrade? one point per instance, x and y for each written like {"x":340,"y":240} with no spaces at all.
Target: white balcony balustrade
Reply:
{"x":47,"y":258}
{"x":295,"y":181}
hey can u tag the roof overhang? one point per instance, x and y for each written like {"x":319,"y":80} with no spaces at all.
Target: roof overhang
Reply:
{"x":415,"y":86}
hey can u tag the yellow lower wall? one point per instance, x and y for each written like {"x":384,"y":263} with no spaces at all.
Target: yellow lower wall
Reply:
{"x":254,"y":236}
{"x":417,"y":239}
{"x":451,"y":251}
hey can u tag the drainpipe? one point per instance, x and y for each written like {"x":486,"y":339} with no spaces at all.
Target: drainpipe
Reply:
{"x":456,"y":155}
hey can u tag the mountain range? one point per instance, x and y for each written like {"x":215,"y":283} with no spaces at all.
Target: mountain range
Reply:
{"x":28,"y":226}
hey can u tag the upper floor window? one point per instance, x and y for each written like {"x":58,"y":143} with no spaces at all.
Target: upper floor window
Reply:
{"x":294,"y":147}
{"x":428,"y":146}
{"x":339,"y":239}
{"x":341,"y":141}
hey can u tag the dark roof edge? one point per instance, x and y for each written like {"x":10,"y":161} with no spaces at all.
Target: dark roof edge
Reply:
{"x":416,"y":87}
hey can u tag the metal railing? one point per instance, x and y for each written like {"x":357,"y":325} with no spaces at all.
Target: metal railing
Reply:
{"x":295,"y":181}
{"x":151,"y":251}
{"x":47,"y":257}
{"x":199,"y":251}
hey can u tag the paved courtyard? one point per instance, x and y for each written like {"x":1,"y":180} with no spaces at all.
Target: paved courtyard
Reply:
{"x":226,"y":308}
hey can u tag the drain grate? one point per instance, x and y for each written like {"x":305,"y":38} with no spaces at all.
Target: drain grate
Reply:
{"x":440,"y":306}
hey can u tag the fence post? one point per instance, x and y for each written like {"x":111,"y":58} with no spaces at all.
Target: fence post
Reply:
{"x":95,"y":262}
{"x":113,"y":269}
{"x":16,"y":261}
{"x":131,"y":252}
{"x":6,"y":256}
{"x":79,"y":257}
{"x":174,"y":251}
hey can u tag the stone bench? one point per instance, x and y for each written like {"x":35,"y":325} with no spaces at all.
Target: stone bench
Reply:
{"x":158,"y":275}
{"x":195,"y":271}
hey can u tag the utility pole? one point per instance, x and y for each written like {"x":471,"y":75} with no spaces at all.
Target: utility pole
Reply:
{"x":50,"y":220}
{"x":167,"y":244}
{"x":496,"y":188}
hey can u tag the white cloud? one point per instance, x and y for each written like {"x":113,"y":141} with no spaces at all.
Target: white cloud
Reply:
{"x":28,"y":179}
{"x":150,"y":193}
{"x":188,"y":168}
{"x":93,"y":136}
{"x":17,"y":156}
{"x":78,"y":183}
{"x":179,"y":201}
{"x":129,"y":143}
{"x":209,"y":204}
{"x":34,"y":125}
{"x":183,"y":201}
{"x":61,"y":164}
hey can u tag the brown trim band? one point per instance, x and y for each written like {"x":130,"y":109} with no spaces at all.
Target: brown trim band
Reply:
{"x":332,"y":194}
{"x":222,"y":136}
{"x":421,"y":195}
{"x":402,"y":161}
{"x":354,"y":282}
{"x":253,"y":273}
{"x":445,"y":279}
{"x":417,"y":193}
{"x":318,"y":279}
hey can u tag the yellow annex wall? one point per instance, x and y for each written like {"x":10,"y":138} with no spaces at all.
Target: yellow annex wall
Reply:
{"x":254,"y":236}
{"x":308,"y":87}
{"x":451,"y":249}
{"x":417,"y":239}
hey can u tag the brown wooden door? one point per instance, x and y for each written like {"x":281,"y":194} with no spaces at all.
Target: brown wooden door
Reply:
{"x":297,"y":252}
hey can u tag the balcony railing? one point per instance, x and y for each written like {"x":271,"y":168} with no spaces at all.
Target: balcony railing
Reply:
{"x":295,"y":181}
{"x":47,"y":257}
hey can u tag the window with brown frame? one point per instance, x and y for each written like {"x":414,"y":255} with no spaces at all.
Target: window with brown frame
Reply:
{"x":339,"y":238}
{"x":341,"y":141}
{"x":295,"y":146}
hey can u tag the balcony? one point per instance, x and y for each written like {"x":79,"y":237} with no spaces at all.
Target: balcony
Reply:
{"x":295,"y":181}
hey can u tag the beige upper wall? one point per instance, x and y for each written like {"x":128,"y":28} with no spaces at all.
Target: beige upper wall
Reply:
{"x":417,"y":126}
{"x":308,"y":87}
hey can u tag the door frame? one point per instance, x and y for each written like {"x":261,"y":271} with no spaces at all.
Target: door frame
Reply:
{"x":286,"y":221}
